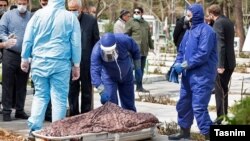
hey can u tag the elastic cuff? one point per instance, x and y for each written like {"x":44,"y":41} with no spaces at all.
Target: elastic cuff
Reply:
{"x":76,"y":65}
{"x":25,"y":60}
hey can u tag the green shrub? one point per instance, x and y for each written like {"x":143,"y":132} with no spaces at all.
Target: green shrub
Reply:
{"x":109,"y":27}
{"x":241,"y":112}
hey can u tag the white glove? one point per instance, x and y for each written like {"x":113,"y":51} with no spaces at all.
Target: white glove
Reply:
{"x":100,"y":88}
{"x":9,"y":43}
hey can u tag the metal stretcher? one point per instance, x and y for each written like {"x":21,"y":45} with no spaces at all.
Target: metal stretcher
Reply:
{"x":103,"y":136}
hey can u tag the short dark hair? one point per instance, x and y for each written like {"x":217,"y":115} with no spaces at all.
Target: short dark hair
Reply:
{"x":214,"y":9}
{"x":13,"y":7}
{"x":139,"y":8}
{"x":5,"y":1}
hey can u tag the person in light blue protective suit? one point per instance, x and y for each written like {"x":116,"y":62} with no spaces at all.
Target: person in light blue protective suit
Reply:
{"x":53,"y":40}
{"x":197,"y":61}
{"x":111,"y":68}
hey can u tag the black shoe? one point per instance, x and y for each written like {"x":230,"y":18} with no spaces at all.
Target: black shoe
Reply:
{"x":7,"y":117}
{"x":217,"y":121}
{"x":142,"y":90}
{"x":48,"y":118}
{"x":21,"y":115}
{"x":184,"y":134}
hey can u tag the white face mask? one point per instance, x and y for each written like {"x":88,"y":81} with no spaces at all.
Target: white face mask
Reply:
{"x":138,"y":17}
{"x":22,"y":8}
{"x":75,"y":13}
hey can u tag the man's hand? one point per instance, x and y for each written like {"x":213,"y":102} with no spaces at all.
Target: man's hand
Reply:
{"x":75,"y":73}
{"x":25,"y":66}
{"x":220,"y":70}
{"x":9,"y":43}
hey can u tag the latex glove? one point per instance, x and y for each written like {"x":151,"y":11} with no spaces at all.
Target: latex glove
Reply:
{"x":172,"y":75}
{"x":104,"y":97}
{"x":25,"y":65}
{"x":138,"y":75}
{"x":75,"y":73}
{"x":178,"y":68}
{"x":9,"y":43}
{"x":100,"y":88}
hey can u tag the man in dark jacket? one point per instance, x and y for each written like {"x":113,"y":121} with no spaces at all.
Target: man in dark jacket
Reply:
{"x":3,"y":8}
{"x":179,"y":31}
{"x":224,"y":29}
{"x":89,"y":36}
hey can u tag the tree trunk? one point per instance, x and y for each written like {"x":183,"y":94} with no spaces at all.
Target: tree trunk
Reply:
{"x":112,"y":12}
{"x":97,"y":8}
{"x":225,"y":11}
{"x":239,"y":22}
{"x":135,"y":3}
{"x":162,"y":11}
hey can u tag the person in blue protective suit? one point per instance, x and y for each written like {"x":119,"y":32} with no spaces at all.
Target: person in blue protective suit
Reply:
{"x":197,"y":61}
{"x":111,"y":68}
{"x":53,"y":40}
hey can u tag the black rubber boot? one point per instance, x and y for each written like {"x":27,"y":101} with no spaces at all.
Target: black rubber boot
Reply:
{"x":184,"y":134}
{"x":207,"y":136}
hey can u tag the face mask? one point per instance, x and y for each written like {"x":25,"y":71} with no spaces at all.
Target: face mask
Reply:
{"x":138,"y":17}
{"x":187,"y":22}
{"x":76,"y":13}
{"x":22,"y":8}
{"x":187,"y":19}
{"x":2,"y":10}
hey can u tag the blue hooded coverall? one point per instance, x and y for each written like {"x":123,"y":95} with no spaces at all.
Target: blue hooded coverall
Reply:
{"x":198,"y":48}
{"x":53,"y":40}
{"x":115,"y":77}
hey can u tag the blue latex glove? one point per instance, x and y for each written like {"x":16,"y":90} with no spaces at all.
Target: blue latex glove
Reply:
{"x":178,"y":68}
{"x":138,"y":75}
{"x":172,"y":75}
{"x":104,"y":97}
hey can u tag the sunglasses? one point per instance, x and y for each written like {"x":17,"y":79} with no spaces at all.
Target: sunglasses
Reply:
{"x":72,"y":10}
{"x":44,"y":4}
{"x":3,"y":5}
{"x":137,"y":12}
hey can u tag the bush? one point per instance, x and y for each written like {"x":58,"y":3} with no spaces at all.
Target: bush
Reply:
{"x":109,"y":27}
{"x":241,"y":112}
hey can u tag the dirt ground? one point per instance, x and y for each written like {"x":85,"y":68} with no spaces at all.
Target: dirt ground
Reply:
{"x":10,"y":136}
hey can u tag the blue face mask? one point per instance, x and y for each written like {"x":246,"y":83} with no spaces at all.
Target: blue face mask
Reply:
{"x":76,"y":13}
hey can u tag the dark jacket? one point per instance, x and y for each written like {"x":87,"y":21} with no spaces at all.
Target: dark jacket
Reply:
{"x":89,"y":35}
{"x":224,"y":29}
{"x":139,"y":30}
{"x":179,"y":31}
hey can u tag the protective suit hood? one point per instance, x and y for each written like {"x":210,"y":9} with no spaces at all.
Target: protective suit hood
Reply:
{"x":57,"y":3}
{"x":198,"y":14}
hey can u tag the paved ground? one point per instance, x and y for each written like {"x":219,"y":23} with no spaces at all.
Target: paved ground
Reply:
{"x":165,"y":113}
